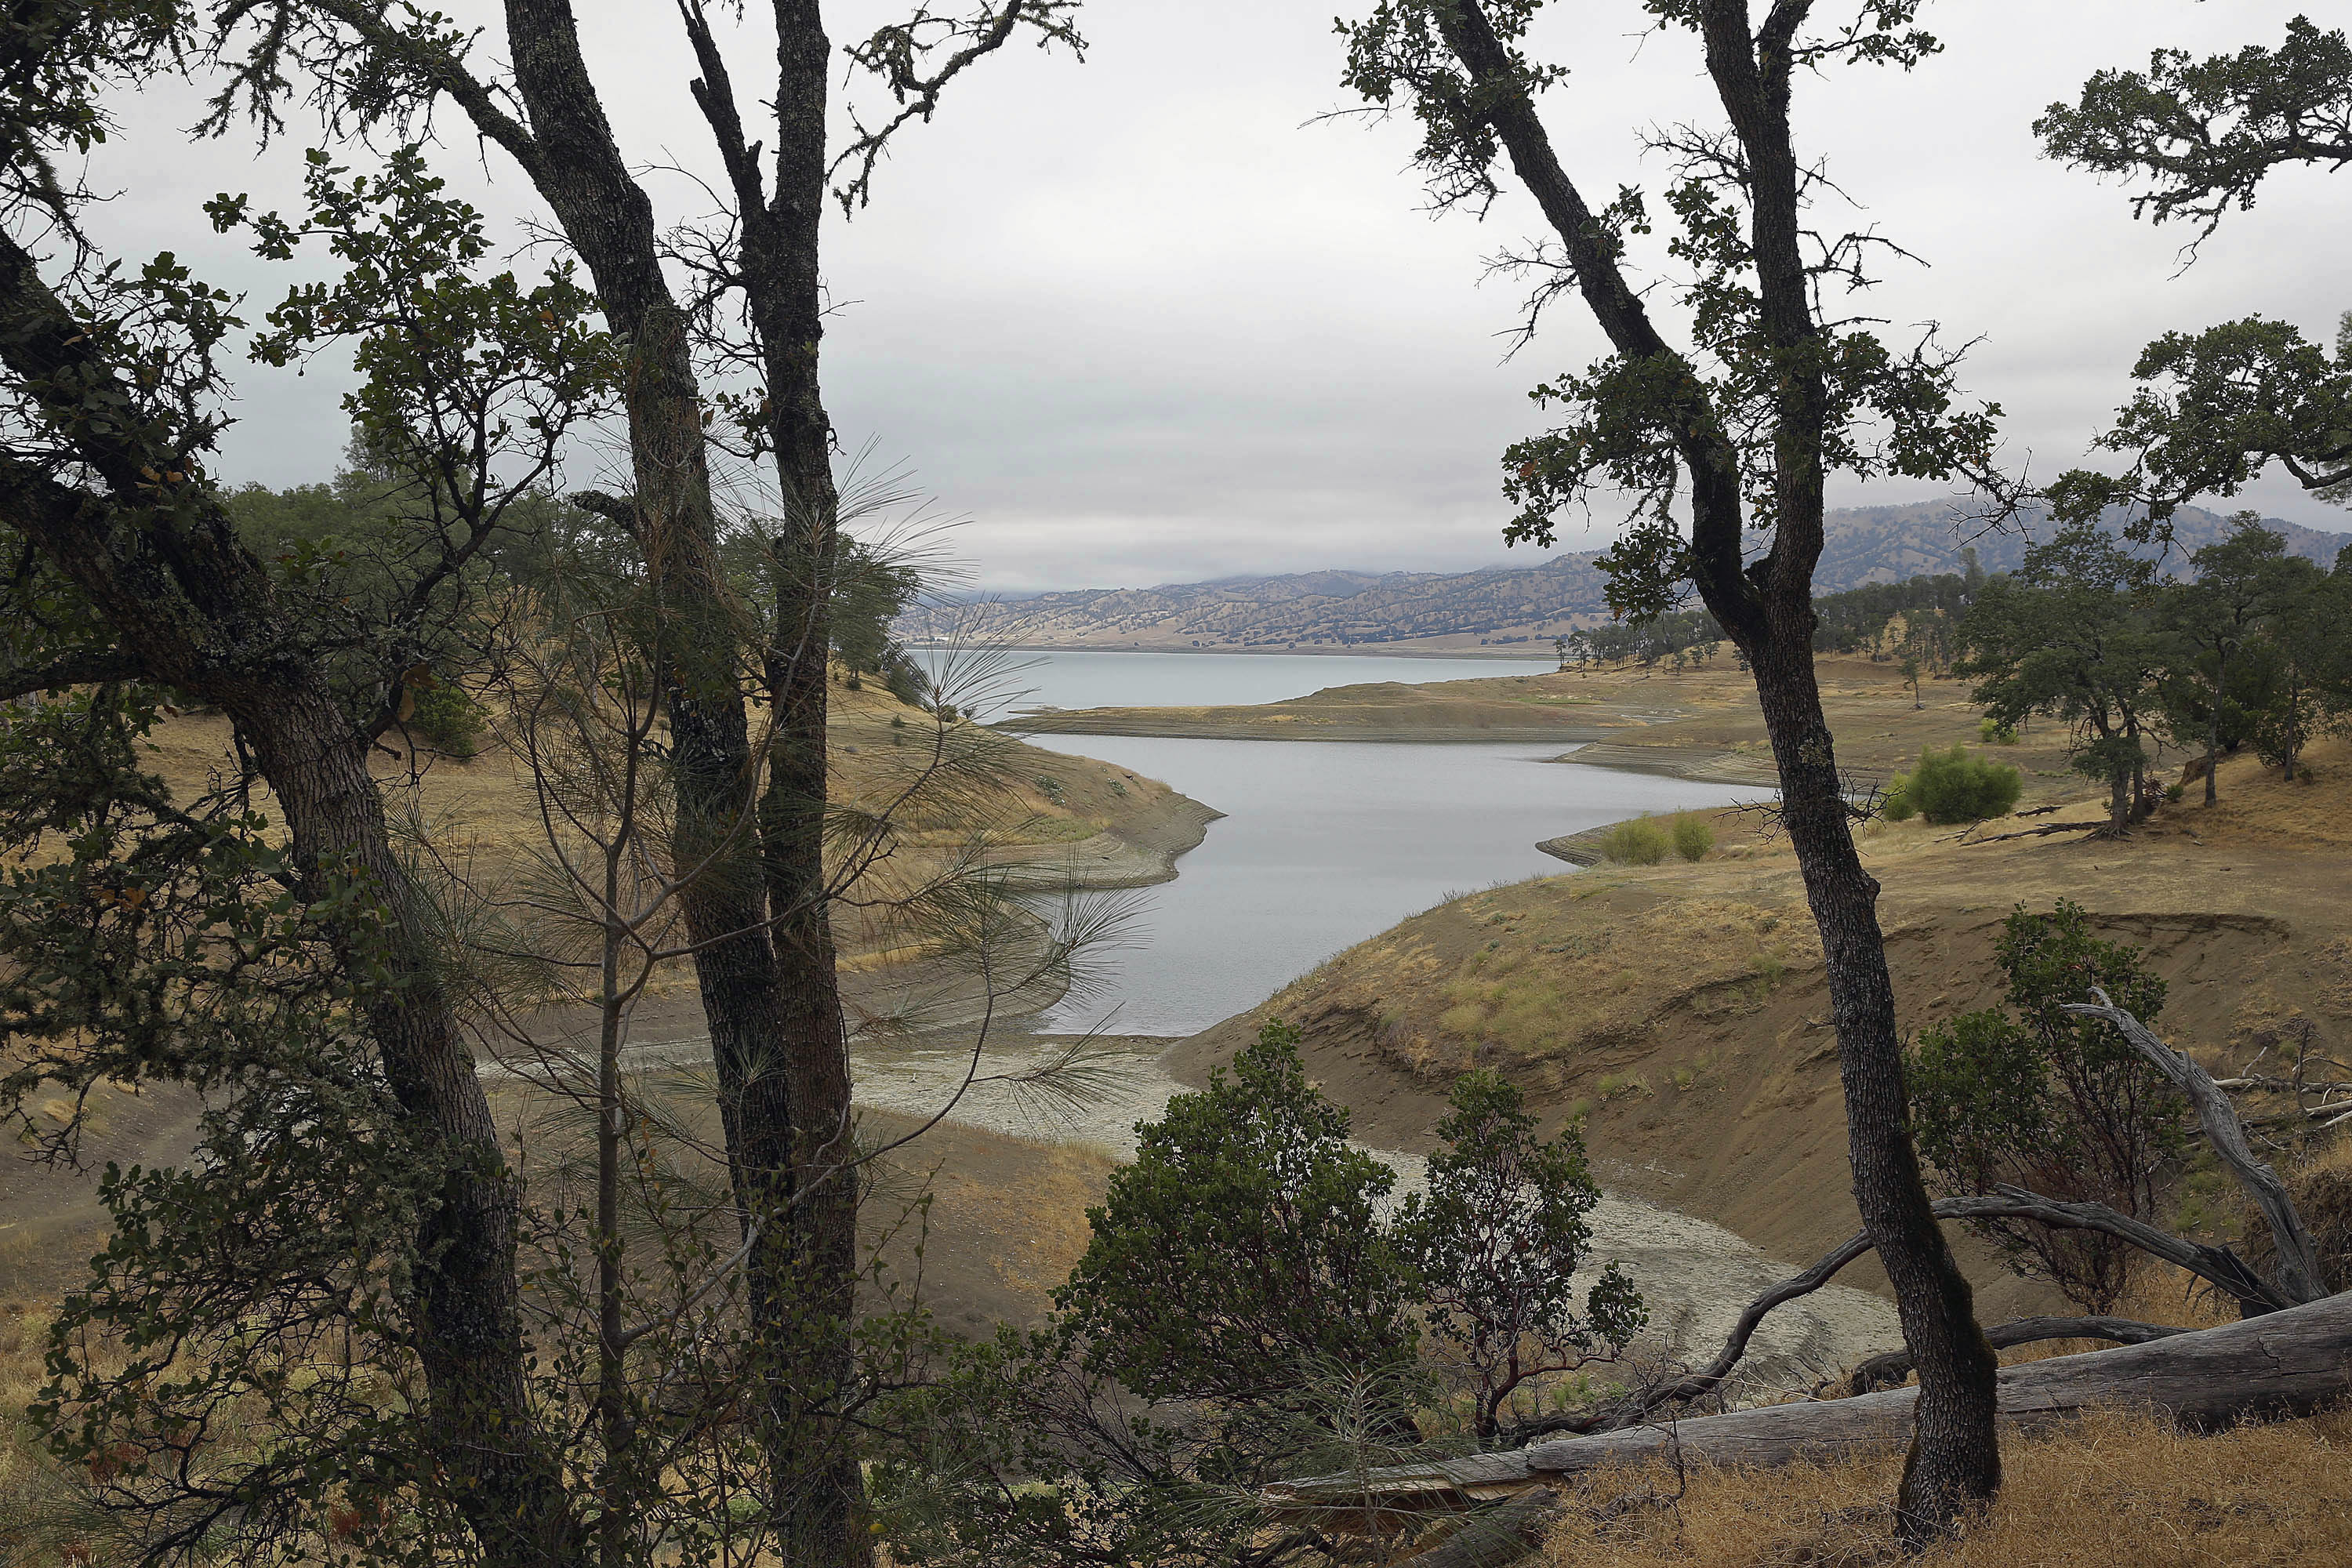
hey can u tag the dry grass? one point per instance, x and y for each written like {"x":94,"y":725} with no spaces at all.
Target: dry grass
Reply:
{"x":2122,"y":1487}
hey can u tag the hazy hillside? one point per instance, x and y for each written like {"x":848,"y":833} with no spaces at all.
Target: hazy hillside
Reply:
{"x":1495,"y":606}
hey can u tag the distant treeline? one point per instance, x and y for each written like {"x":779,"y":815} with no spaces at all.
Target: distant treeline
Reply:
{"x":1854,"y":621}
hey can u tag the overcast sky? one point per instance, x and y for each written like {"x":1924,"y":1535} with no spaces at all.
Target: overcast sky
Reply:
{"x":1144,"y":320}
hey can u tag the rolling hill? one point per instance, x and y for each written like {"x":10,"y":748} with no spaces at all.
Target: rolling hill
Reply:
{"x":1497,"y":607}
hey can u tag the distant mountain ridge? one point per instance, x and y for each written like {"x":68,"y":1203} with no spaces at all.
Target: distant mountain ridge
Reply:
{"x":1495,"y":606}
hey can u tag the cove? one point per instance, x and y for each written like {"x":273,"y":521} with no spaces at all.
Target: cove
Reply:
{"x":1324,"y":843}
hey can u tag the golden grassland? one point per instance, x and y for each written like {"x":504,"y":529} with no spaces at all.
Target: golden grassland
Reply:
{"x":2120,"y":1488}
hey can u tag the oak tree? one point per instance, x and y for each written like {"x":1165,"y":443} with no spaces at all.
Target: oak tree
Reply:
{"x":1730,"y":434}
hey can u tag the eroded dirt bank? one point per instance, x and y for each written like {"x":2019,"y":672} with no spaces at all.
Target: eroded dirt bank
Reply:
{"x":1681,"y":1009}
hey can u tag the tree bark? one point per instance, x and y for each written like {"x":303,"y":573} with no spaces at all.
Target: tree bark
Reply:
{"x":758,"y":910}
{"x":1767,"y":610}
{"x":2286,"y":1364}
{"x":782,"y":284}
{"x":2213,"y":722}
{"x":196,"y":612}
{"x":764,"y":964}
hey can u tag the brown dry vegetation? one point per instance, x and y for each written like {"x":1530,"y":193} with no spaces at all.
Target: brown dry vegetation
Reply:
{"x":1681,"y":1010}
{"x":2120,"y":1488}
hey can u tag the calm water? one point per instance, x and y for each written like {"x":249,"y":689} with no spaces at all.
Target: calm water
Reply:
{"x":1326,"y":843}
{"x":1205,"y":679}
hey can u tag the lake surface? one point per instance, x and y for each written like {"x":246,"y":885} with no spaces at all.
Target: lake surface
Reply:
{"x":1210,"y":679}
{"x":1326,"y":843}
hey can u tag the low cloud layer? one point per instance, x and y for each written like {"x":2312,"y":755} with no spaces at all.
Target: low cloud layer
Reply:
{"x":1149,"y":319}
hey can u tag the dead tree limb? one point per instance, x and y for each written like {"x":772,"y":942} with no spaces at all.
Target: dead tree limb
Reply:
{"x":2300,"y":1277}
{"x":1888,"y":1370}
{"x":2217,"y":1266}
{"x":2043,"y":831}
{"x":2282,"y":1364}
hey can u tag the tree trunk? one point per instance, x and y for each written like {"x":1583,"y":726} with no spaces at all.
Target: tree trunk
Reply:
{"x":2213,"y":724}
{"x":1766,"y":609}
{"x":825,"y":1527}
{"x":1955,"y":1463}
{"x":769,"y":990}
{"x":197,"y":612}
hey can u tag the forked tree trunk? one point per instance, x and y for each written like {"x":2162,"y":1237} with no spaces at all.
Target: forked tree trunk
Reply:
{"x":765,"y":955}
{"x":1766,"y":609}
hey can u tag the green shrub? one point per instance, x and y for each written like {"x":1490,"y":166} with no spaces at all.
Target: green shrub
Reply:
{"x":2174,"y":791}
{"x":445,"y":719}
{"x":1694,"y":836}
{"x":1639,"y":842}
{"x":1993,"y":732}
{"x":1896,"y":804}
{"x":2035,"y":1096}
{"x":1959,"y":787}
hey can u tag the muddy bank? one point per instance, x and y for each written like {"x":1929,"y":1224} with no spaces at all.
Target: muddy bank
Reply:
{"x":1138,"y":849}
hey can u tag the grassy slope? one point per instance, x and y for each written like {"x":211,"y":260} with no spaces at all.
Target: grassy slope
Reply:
{"x":50,"y":1221}
{"x":1682,"y":1008}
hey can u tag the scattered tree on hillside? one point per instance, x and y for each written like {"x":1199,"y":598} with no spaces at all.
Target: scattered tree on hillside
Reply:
{"x":2305,"y":657}
{"x":2039,"y":1098}
{"x":2238,"y":583}
{"x":1494,"y":1246}
{"x":2070,"y":635}
{"x":1743,"y":425}
{"x":2220,"y":405}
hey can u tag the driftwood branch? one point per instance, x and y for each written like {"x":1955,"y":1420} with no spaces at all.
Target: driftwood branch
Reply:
{"x":1888,"y":1370}
{"x":2300,"y":1277}
{"x":2043,"y":831}
{"x":2218,"y":1265}
{"x":2282,"y":1364}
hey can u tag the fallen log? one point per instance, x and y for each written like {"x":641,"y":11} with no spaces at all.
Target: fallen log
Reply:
{"x":2281,"y":1364}
{"x":2041,"y":832}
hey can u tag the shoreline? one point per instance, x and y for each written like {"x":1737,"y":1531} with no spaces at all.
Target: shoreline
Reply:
{"x":1372,"y":651}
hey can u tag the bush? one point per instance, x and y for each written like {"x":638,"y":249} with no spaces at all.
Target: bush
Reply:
{"x":1993,"y":732}
{"x":1896,"y":803}
{"x":2035,"y":1096}
{"x":1694,"y":836}
{"x":444,"y":718}
{"x":1243,"y":1244}
{"x":1958,"y":786}
{"x":1639,"y":842}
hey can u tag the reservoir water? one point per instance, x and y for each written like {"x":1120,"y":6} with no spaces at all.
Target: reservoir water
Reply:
{"x":1324,"y":842}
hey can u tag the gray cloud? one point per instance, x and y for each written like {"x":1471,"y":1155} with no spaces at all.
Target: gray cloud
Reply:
{"x":1142,"y":321}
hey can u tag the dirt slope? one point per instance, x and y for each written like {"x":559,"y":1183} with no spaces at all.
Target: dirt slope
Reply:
{"x":1682,"y":1009}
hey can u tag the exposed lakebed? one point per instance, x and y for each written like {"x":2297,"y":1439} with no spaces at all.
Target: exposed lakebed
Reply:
{"x":1322,"y":845}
